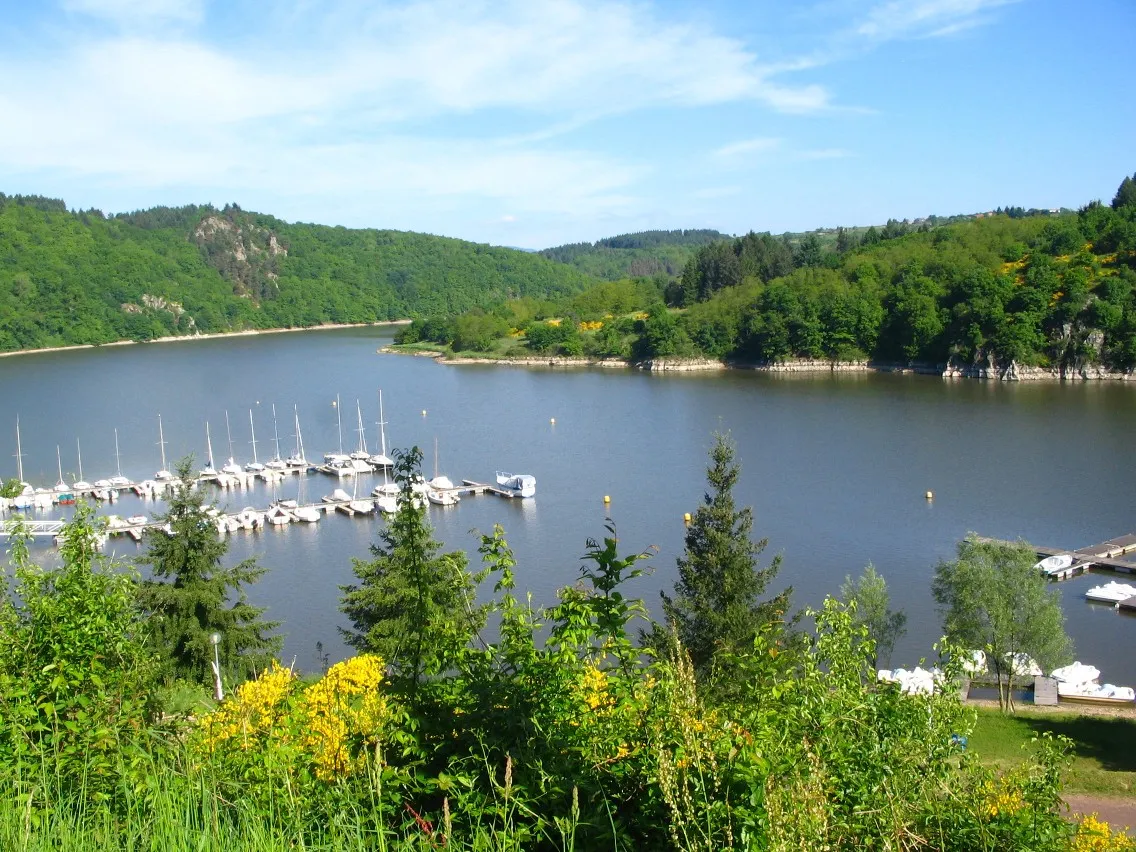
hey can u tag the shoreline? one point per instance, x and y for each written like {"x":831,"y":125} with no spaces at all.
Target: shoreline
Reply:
{"x":800,"y":366}
{"x":209,"y":336}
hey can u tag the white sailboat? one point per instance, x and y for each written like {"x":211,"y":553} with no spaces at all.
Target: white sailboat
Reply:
{"x":61,"y":487}
{"x":303,"y":512}
{"x":441,"y":490}
{"x":276,"y":463}
{"x":231,"y":467}
{"x":359,"y":458}
{"x":209,"y":471}
{"x":118,"y":480}
{"x":338,"y":464}
{"x":297,"y":458}
{"x":26,"y":498}
{"x":162,"y":475}
{"x":253,"y":466}
{"x":381,"y":459}
{"x":80,"y":484}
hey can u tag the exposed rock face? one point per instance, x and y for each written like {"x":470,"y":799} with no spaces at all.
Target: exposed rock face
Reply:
{"x":244,"y":253}
{"x":680,"y":365}
{"x":989,"y":368}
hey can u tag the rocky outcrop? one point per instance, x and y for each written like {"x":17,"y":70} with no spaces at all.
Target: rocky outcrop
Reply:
{"x":990,"y":369}
{"x":243,"y":252}
{"x":680,"y":365}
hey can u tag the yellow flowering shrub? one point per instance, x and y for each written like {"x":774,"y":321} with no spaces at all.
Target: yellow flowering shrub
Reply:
{"x":344,"y":708}
{"x":553,"y":322}
{"x":1093,"y":835}
{"x":251,"y":713}
{"x":592,"y":325}
{"x":325,"y":726}
{"x":1003,"y":796}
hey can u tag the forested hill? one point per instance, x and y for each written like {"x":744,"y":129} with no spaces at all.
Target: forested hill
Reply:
{"x":80,"y":277}
{"x":642,"y":255}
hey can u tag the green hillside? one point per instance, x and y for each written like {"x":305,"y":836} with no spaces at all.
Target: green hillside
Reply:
{"x":642,"y":255}
{"x":80,"y":277}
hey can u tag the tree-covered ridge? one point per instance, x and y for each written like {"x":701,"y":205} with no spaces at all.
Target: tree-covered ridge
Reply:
{"x":69,"y":277}
{"x":1017,"y":287}
{"x":642,"y":254}
{"x":1056,"y":291}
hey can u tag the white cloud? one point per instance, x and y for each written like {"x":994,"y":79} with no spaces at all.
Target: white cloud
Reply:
{"x":924,"y":18}
{"x":746,"y":147}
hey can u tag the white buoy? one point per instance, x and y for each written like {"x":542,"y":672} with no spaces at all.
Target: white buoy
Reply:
{"x":423,"y":412}
{"x":553,"y":421}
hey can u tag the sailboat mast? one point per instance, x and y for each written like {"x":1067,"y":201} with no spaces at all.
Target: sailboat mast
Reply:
{"x":299,"y":437}
{"x":339,"y":420}
{"x":59,"y":462}
{"x":382,"y":424}
{"x":252,"y":429}
{"x":275,"y":432}
{"x":229,"y":432}
{"x":117,"y":455}
{"x":162,"y":441}
{"x":208,"y":445}
{"x":79,"y":453}
{"x":362,"y":435}
{"x":19,"y":452}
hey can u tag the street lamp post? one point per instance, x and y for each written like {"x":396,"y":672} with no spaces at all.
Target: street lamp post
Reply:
{"x":218,"y":692}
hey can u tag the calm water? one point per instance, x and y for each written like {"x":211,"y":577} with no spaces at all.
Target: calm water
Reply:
{"x":835,"y":468}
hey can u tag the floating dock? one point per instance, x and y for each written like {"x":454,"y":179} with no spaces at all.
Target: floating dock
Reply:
{"x":1106,"y":555}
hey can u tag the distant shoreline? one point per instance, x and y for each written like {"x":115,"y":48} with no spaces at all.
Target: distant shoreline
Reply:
{"x":793,"y":367}
{"x":209,"y":336}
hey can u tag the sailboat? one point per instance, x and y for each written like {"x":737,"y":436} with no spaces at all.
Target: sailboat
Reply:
{"x":80,"y":484}
{"x":61,"y":487}
{"x":297,"y":459}
{"x":253,"y":466}
{"x":303,"y":512}
{"x":209,"y":471}
{"x":118,"y":480}
{"x":359,"y":457}
{"x":381,"y":459}
{"x":164,"y":474}
{"x":338,"y":464}
{"x":26,"y":498}
{"x":231,"y":467}
{"x":276,"y":463}
{"x":440,"y":490}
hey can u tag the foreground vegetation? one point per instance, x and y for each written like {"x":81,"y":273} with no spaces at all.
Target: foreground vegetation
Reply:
{"x":734,"y":727}
{"x":1055,"y":291}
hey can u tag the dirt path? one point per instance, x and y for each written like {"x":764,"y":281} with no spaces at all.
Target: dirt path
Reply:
{"x":1119,"y":813}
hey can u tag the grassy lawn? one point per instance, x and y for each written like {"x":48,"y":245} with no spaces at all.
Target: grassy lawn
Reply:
{"x":1103,"y":753}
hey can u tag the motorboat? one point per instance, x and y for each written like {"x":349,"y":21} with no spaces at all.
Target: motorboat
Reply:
{"x":337,"y":496}
{"x":136,"y":520}
{"x":338,"y":465}
{"x":1055,"y":564}
{"x":250,"y":519}
{"x":516,"y":484}
{"x":1112,"y":593}
{"x":277,"y":515}
{"x":441,"y":492}
{"x":146,"y":488}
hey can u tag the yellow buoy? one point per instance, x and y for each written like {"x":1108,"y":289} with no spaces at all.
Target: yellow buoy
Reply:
{"x":607,"y":499}
{"x":686,"y":517}
{"x":929,"y":496}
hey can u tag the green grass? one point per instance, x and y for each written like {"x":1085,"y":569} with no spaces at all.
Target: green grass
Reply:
{"x":1103,"y":753}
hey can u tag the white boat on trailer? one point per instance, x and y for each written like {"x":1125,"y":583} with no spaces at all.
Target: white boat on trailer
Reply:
{"x":516,"y":484}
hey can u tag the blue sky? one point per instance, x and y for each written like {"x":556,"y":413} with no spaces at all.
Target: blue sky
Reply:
{"x":541,"y":122}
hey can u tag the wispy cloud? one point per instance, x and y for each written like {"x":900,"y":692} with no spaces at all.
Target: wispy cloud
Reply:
{"x":774,"y":149}
{"x":924,"y":18}
{"x":130,"y":14}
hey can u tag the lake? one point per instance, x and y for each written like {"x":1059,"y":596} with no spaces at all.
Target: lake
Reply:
{"x":835,"y":467}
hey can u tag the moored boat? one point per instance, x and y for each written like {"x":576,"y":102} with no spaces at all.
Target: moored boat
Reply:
{"x":516,"y":484}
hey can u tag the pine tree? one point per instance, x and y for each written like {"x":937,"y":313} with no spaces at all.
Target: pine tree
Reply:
{"x":187,"y":595}
{"x":413,"y":606}
{"x":717,"y":607}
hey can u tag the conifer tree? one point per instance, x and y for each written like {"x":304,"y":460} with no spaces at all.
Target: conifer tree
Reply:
{"x":717,"y":607}
{"x":190,"y":594}
{"x":413,"y":606}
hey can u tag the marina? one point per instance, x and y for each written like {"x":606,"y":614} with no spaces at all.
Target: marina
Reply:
{"x":1105,"y":555}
